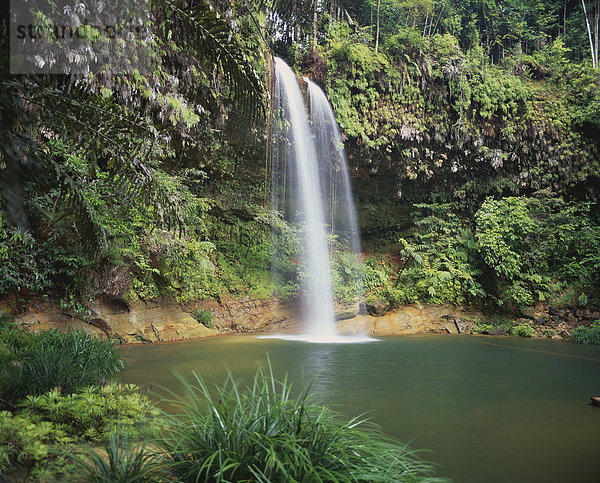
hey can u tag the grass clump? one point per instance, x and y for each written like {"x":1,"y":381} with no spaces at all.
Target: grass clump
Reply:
{"x":587,"y":335}
{"x":121,"y":460}
{"x":36,"y":363}
{"x":205,"y":317}
{"x":263,"y":433}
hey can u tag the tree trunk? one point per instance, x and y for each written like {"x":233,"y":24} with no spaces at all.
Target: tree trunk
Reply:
{"x":565,"y":19}
{"x":332,"y":14}
{"x":377,"y":34}
{"x":12,"y":192}
{"x":437,"y":21}
{"x":589,"y":30}
{"x":314,"y":27}
{"x":596,"y":31}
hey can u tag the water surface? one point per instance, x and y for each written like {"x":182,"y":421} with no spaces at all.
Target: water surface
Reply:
{"x":491,"y":409}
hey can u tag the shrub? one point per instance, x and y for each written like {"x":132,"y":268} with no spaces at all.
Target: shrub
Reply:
{"x":93,"y":412}
{"x":25,"y":446}
{"x":5,"y":319}
{"x":262,"y":433}
{"x":34,"y":264}
{"x":35,"y":441}
{"x":346,"y":276}
{"x":440,"y":265}
{"x":481,"y":328}
{"x":522,"y":330}
{"x":587,"y":335}
{"x":205,"y":317}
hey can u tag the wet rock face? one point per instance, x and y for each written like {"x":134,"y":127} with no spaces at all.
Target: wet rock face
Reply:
{"x":165,"y":321}
{"x":249,"y":315}
{"x":556,"y":322}
{"x":463,"y":326}
{"x":126,"y":321}
{"x":497,"y":330}
{"x":314,"y":66}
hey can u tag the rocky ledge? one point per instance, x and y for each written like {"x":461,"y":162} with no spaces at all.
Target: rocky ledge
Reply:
{"x":413,"y":319}
{"x":162,"y":320}
{"x":165,"y":320}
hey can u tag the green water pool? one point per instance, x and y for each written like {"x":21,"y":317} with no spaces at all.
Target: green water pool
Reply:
{"x":490,"y":409}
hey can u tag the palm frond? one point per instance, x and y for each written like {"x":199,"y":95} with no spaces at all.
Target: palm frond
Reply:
{"x":212,"y":40}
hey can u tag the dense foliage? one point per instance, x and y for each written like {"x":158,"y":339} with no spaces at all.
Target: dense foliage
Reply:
{"x":102,"y":176}
{"x":587,"y":335}
{"x":513,"y":253}
{"x":427,"y":114}
{"x":472,"y":131}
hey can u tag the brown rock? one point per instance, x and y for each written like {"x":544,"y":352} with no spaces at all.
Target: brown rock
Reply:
{"x":594,"y":401}
{"x":410,"y":319}
{"x":463,"y":326}
{"x":134,"y":322}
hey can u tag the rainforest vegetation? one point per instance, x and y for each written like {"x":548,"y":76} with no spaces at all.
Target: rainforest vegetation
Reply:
{"x":472,"y":130}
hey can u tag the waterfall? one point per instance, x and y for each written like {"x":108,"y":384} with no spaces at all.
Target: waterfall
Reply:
{"x":310,"y":184}
{"x":302,"y":158}
{"x":330,"y":147}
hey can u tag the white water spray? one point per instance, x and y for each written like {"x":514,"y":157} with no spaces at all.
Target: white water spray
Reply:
{"x":305,"y":170}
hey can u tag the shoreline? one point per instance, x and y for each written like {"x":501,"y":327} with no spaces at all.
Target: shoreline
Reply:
{"x":165,"y":320}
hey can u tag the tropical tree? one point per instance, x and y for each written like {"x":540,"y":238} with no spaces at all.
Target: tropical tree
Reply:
{"x":116,"y":121}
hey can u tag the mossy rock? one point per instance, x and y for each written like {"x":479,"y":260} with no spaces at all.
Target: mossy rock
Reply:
{"x":377,"y":307}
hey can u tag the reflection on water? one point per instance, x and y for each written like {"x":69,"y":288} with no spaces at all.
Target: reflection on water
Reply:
{"x":321,"y":338}
{"x":490,"y":409}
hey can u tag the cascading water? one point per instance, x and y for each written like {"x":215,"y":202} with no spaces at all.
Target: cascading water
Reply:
{"x":318,"y":303}
{"x":308,"y":168}
{"x":330,"y":148}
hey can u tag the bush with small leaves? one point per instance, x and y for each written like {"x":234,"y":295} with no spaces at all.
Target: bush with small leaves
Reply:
{"x":26,"y":446}
{"x":587,"y":335}
{"x":205,"y":317}
{"x":522,"y":330}
{"x":481,"y":328}
{"x":90,"y":414}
